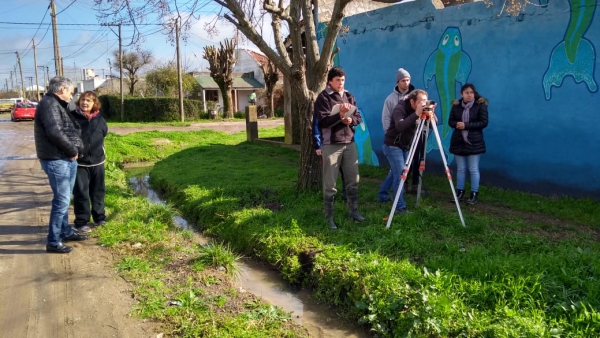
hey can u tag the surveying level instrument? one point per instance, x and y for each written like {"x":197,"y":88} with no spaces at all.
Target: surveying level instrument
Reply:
{"x":422,"y":131}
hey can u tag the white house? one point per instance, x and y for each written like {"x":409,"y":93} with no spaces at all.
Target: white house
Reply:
{"x":247,"y":77}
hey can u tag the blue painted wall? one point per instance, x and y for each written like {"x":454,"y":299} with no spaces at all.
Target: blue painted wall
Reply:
{"x":540,"y":72}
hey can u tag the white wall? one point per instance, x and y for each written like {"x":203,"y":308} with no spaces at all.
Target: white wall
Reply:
{"x":246,"y":63}
{"x":92,"y":84}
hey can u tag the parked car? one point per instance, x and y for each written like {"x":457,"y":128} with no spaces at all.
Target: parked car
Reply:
{"x":6,"y":105}
{"x":23,"y":111}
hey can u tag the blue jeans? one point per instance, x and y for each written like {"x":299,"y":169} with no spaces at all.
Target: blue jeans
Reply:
{"x":396,"y":157}
{"x":384,"y":188}
{"x":61,"y":175}
{"x":461,"y":171}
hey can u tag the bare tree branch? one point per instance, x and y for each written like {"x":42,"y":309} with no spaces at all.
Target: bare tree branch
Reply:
{"x":332,"y":32}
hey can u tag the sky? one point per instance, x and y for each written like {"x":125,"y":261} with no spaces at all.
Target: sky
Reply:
{"x":84,"y":43}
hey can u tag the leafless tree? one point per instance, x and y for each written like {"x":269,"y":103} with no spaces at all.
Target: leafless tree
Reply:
{"x":221,"y":62}
{"x":133,"y":62}
{"x":301,"y":61}
{"x":271,"y":75}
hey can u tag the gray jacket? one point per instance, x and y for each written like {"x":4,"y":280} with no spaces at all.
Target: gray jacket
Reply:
{"x":390,"y":103}
{"x":57,"y":135}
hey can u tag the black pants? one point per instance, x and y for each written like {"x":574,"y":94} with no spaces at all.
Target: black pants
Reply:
{"x":89,"y":189}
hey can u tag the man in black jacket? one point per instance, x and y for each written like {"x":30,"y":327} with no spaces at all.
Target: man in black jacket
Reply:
{"x":58,"y":145}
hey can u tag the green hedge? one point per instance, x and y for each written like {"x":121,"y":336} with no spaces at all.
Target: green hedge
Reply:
{"x":152,"y":109}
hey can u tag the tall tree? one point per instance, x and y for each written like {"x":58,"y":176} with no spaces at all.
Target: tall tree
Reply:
{"x":271,"y":75}
{"x":220,"y":62}
{"x":133,"y":62}
{"x":163,"y":81}
{"x":303,"y":64}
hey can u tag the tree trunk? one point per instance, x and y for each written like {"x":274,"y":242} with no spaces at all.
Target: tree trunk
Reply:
{"x":227,"y":103}
{"x":271,"y":112}
{"x":287,"y":111}
{"x":310,"y":167}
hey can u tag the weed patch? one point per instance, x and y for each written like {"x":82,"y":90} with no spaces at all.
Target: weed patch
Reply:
{"x":510,"y":273}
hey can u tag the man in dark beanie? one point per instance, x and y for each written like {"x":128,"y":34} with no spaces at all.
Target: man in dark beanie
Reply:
{"x":402,"y":88}
{"x":337,"y":110}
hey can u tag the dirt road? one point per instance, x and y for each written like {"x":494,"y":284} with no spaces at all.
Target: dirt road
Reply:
{"x":51,"y":295}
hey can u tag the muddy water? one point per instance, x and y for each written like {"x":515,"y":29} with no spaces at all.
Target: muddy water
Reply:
{"x":318,"y":319}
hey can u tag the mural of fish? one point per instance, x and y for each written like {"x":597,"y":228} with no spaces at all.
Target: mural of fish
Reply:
{"x":449,"y":64}
{"x":574,"y":56}
{"x":362,"y":139}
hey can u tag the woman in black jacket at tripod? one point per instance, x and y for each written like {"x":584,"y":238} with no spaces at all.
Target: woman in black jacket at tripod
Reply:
{"x":89,"y":184}
{"x":468,"y":117}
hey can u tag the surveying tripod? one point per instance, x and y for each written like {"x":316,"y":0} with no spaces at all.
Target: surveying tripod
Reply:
{"x":423,"y":128}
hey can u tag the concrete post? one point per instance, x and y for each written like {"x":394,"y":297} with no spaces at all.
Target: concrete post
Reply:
{"x":251,"y":123}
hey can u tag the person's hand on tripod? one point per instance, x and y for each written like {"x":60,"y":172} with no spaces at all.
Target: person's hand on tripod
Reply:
{"x":431,"y":112}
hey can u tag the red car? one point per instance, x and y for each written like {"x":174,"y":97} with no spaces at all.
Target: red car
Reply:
{"x":23,"y":111}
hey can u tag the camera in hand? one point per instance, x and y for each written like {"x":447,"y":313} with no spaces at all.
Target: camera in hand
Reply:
{"x":429,"y":106}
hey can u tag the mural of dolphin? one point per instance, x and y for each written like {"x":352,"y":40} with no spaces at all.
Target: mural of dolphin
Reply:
{"x":449,"y":64}
{"x":574,"y":55}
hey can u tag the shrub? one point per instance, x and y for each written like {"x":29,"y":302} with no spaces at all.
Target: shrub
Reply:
{"x":279,"y":112}
{"x":153,"y":109}
{"x":239,"y":115}
{"x":205,"y":115}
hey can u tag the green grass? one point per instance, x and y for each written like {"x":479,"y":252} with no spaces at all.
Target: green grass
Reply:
{"x":149,"y":124}
{"x":171,"y":124}
{"x":525,"y":266}
{"x":217,"y":256}
{"x":175,"y":281}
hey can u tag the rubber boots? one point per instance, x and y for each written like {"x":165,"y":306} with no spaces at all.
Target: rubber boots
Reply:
{"x":328,"y":203}
{"x":353,"y":206}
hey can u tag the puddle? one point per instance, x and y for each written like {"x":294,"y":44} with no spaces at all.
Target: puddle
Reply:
{"x":13,"y":158}
{"x":320,"y":320}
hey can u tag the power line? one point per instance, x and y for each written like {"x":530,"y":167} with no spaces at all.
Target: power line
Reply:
{"x":80,"y":24}
{"x":25,"y":51}
{"x":66,"y":7}
{"x":96,"y":59}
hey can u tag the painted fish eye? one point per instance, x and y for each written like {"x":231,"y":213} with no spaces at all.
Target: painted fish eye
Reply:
{"x":445,"y":39}
{"x":456,"y":42}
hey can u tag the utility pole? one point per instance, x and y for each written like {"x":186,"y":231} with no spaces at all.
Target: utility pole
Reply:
{"x":62,"y":70}
{"x":57,"y":58}
{"x":21,"y":69}
{"x":120,"y":69}
{"x":16,"y":78}
{"x":37,"y":80}
{"x":11,"y":80}
{"x":179,"y":80}
{"x":121,"y":75}
{"x":44,"y":74}
{"x":30,"y":85}
{"x":6,"y":85}
{"x":47,"y":84}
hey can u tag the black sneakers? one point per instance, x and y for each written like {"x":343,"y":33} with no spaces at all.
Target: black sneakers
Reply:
{"x":75,"y":238}
{"x":61,"y":248}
